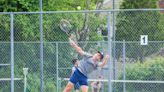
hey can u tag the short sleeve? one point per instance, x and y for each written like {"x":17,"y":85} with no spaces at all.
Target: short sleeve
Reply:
{"x":73,"y":69}
{"x":87,"y":54}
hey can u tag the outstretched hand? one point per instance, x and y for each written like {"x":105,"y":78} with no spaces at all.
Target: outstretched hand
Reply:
{"x":77,"y":48}
{"x":71,"y":36}
{"x":107,"y":56}
{"x":104,"y":61}
{"x":72,"y":43}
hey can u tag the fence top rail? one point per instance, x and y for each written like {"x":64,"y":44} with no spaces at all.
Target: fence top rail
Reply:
{"x":83,"y":11}
{"x":7,"y":42}
{"x":9,"y":79}
{"x":4,"y":64}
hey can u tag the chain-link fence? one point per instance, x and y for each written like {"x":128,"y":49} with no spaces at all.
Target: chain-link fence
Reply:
{"x":93,"y":30}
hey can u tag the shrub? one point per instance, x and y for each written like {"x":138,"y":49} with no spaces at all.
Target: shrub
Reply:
{"x":152,"y":69}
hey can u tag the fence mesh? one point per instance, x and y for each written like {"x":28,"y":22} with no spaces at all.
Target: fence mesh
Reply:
{"x":131,"y":24}
{"x":139,"y":87}
{"x":91,"y":30}
{"x":5,"y":27}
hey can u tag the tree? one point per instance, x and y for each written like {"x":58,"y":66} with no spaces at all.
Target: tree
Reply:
{"x":24,"y":23}
{"x":138,"y":4}
{"x":19,"y":5}
{"x":131,"y":24}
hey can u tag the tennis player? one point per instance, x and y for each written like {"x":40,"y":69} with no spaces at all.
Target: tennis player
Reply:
{"x":88,"y":64}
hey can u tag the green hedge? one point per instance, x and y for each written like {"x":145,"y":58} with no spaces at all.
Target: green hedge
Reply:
{"x":151,"y":69}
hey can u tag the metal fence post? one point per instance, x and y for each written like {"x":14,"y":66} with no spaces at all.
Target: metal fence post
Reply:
{"x":57,"y":67}
{"x":25,"y":72}
{"x":124,"y":62}
{"x":110,"y":53}
{"x":114,"y":45}
{"x":41,"y":50}
{"x":12,"y":50}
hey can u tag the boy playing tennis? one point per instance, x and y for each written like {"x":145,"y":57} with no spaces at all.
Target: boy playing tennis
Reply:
{"x":88,"y":64}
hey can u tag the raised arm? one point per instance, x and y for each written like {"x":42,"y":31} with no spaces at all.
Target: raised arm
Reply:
{"x":104,"y":61}
{"x":77,"y":48}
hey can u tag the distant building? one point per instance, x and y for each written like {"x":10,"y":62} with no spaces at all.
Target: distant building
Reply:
{"x":109,"y":3}
{"x":161,"y":5}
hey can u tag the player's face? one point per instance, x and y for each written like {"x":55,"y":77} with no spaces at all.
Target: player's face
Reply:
{"x":77,"y":62}
{"x":97,"y":56}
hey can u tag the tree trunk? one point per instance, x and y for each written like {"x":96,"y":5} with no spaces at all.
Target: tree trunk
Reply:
{"x":85,"y":30}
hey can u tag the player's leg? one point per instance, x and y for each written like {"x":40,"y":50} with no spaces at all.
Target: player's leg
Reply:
{"x":83,"y":83}
{"x":69,"y":87}
{"x":84,"y":88}
{"x":77,"y":87}
{"x":73,"y":80}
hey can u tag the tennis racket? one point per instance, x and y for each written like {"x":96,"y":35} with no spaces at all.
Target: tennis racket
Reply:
{"x":65,"y":26}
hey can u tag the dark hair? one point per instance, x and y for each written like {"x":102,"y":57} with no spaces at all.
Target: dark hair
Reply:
{"x":102,"y":55}
{"x":74,"y":61}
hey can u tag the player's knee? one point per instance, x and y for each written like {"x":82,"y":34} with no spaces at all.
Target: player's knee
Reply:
{"x":84,"y":88}
{"x":67,"y":90}
{"x":68,"y":87}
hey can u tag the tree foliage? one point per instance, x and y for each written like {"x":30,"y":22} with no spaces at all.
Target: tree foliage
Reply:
{"x":19,"y":5}
{"x":151,"y":70}
{"x":138,"y":4}
{"x":131,"y":24}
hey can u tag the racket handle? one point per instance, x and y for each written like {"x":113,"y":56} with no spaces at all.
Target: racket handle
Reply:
{"x":70,"y":36}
